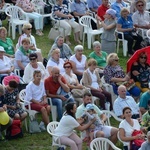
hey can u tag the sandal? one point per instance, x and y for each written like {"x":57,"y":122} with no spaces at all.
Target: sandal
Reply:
{"x":39,"y":33}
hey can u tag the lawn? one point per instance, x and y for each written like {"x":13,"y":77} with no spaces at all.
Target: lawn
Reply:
{"x":42,"y":141}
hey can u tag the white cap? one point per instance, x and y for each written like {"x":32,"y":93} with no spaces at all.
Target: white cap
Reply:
{"x":2,"y":49}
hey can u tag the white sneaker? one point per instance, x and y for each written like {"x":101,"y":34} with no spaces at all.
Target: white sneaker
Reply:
{"x":42,"y":126}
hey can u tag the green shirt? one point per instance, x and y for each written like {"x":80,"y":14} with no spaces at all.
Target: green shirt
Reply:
{"x":101,"y":60}
{"x":8,"y":46}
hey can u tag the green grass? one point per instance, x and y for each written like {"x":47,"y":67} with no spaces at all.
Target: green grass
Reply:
{"x":42,"y":141}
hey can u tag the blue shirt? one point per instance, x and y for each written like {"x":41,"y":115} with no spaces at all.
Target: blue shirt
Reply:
{"x":117,"y":7}
{"x":78,"y":7}
{"x":94,"y":3}
{"x":126,"y":23}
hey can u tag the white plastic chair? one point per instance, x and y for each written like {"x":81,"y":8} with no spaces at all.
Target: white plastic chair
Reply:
{"x":50,"y":129}
{"x":124,"y":43}
{"x":85,"y":21}
{"x":53,"y":109}
{"x":22,"y":95}
{"x":108,"y":114}
{"x":102,"y":144}
{"x":17,"y":17}
{"x":148,"y":33}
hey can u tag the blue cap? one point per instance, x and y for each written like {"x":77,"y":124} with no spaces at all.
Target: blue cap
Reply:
{"x":111,"y":12}
{"x":89,"y":106}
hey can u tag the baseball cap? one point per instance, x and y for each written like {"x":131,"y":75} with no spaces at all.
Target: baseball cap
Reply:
{"x":89,"y":107}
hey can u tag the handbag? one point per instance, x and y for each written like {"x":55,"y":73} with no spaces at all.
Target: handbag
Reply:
{"x":77,"y":93}
{"x":53,"y":33}
{"x":33,"y":125}
{"x":128,"y":84}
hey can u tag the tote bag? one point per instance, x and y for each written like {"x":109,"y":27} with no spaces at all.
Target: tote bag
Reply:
{"x":54,"y":33}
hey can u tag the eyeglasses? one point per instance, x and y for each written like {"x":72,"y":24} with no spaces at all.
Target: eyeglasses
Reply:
{"x":29,"y":28}
{"x":143,"y":57}
{"x":140,"y":5}
{"x":67,"y":67}
{"x":32,"y":59}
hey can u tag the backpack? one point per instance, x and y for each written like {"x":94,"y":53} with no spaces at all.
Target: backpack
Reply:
{"x":14,"y":131}
{"x":136,"y":144}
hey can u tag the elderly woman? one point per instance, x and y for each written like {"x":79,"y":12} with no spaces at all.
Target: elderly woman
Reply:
{"x":108,"y":38}
{"x":34,"y":65}
{"x":55,"y":61}
{"x":125,"y":25}
{"x":27,"y":29}
{"x":65,"y":50}
{"x":35,"y":93}
{"x":6,"y":43}
{"x":114,"y":74}
{"x":99,"y":55}
{"x":6,"y":66}
{"x":73,"y":83}
{"x":140,"y":72}
{"x":78,"y":61}
{"x":11,"y":98}
{"x":28,"y":7}
{"x":66,"y":21}
{"x":92,"y":80}
{"x":126,"y":128}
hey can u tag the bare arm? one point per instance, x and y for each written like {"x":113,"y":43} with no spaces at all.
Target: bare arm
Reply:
{"x":119,"y":28}
{"x":20,"y":64}
{"x":60,"y":14}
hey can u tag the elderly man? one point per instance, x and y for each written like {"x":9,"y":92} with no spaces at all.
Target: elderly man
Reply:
{"x":144,"y":101}
{"x":102,"y":9}
{"x":65,"y":50}
{"x":94,"y":4}
{"x":125,"y":101}
{"x":141,"y":18}
{"x":106,"y":131}
{"x":56,"y":88}
{"x":146,"y":144}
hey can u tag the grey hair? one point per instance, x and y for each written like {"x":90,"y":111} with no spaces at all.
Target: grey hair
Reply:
{"x":78,"y":47}
{"x":96,"y":43}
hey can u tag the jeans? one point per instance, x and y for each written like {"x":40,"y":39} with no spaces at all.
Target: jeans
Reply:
{"x":60,"y":104}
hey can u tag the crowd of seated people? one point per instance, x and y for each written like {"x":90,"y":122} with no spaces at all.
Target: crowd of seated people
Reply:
{"x":62,"y":76}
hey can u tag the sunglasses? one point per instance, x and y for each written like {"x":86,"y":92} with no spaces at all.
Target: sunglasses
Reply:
{"x":32,"y":59}
{"x":67,"y":67}
{"x":29,"y":28}
{"x":140,"y":5}
{"x":143,"y":57}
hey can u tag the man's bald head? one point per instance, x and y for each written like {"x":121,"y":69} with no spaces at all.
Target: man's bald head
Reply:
{"x":122,"y":91}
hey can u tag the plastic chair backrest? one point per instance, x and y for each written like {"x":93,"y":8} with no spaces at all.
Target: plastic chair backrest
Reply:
{"x":51,"y":127}
{"x":22,"y":95}
{"x":102,"y":144}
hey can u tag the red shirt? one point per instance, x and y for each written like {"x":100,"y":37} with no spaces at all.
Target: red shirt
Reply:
{"x":101,"y":11}
{"x":52,"y":86}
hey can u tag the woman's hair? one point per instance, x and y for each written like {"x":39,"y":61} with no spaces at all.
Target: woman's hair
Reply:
{"x":54,"y":51}
{"x":68,"y":62}
{"x":33,"y":55}
{"x":3,"y":29}
{"x":96,"y":43}
{"x":111,"y":57}
{"x":124,"y":109}
{"x":13,"y":84}
{"x":26,"y":26}
{"x":36,"y":72}
{"x":92,"y":61}
{"x":124,"y":9}
{"x":141,"y":54}
{"x":78,"y":47}
{"x":25,"y":40}
{"x":69,"y":107}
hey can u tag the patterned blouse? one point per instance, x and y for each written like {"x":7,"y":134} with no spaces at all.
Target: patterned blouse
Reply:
{"x":63,"y":9}
{"x":111,"y":72}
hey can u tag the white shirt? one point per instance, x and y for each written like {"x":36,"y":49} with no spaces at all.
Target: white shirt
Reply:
{"x":35,"y":92}
{"x":5,"y":63}
{"x":71,"y":79}
{"x":51,"y":63}
{"x":120,"y":104}
{"x":80,"y":65}
{"x":66,"y":126}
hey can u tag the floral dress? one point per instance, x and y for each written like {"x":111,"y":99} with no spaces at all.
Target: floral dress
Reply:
{"x":11,"y":99}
